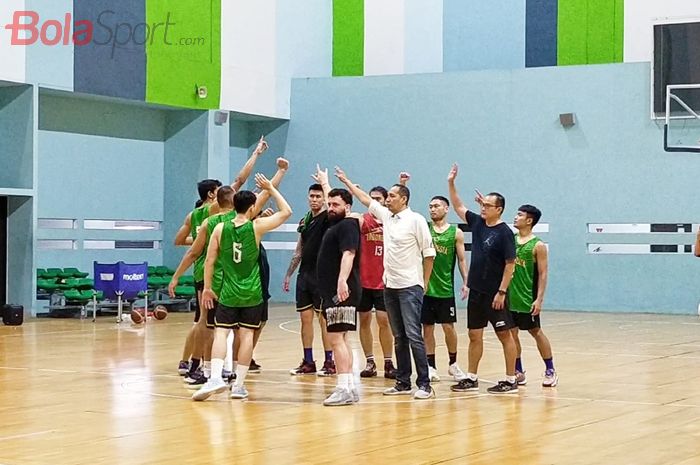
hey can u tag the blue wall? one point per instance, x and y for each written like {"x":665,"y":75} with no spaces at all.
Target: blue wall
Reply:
{"x":89,"y":169}
{"x":483,"y":35}
{"x":503,"y":129}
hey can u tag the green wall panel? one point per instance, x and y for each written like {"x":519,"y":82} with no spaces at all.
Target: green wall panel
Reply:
{"x":348,"y":37}
{"x":590,"y":32}
{"x":189,"y":55}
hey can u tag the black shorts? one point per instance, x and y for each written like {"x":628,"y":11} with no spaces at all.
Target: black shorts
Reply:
{"x":438,"y":310}
{"x":198,"y":287}
{"x":480,"y":312}
{"x":341,"y":317}
{"x":308,"y":296}
{"x":372,"y":299}
{"x":234,"y":317}
{"x":265,"y":315}
{"x":526,"y":321}
{"x":211,"y":316}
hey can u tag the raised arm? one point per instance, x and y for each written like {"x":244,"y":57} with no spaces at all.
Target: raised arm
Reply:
{"x":456,"y":200}
{"x":697,"y":244}
{"x":321,"y":177}
{"x":404,"y":177}
{"x":183,"y":234}
{"x":542,"y":268}
{"x":462,"y":263}
{"x":192,"y":254}
{"x":361,"y":195}
{"x":248,"y":167}
{"x":284,"y":211}
{"x":208,"y":295}
{"x":264,"y":196}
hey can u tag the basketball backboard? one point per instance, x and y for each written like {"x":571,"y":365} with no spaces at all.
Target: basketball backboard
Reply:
{"x":682,"y":118}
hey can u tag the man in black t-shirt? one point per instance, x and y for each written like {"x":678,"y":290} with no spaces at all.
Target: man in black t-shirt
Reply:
{"x":490,"y":272}
{"x":311,"y":228}
{"x":338,"y":271}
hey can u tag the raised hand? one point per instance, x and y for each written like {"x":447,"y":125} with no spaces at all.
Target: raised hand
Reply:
{"x":267,"y":212}
{"x":262,"y":146}
{"x":282,"y":163}
{"x":340,"y":174}
{"x":453,"y":173}
{"x":262,"y":182}
{"x":404,"y":177}
{"x":321,"y":176}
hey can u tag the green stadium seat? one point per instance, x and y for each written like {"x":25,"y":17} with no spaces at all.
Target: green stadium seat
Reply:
{"x":152,"y":271}
{"x":70,"y":283}
{"x":47,"y":284}
{"x":75,"y":273}
{"x":85,"y":284}
{"x":87,"y":294}
{"x":164,"y":271}
{"x":158,"y":282}
{"x":185,"y":291}
{"x":186,"y":281}
{"x":74,"y":296}
{"x":52,"y":273}
{"x":40,"y":273}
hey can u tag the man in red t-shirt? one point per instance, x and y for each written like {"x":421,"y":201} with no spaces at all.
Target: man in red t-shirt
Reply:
{"x":371,"y":277}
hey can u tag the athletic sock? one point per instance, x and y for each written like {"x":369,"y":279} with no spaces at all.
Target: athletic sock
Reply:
{"x":549,"y":363}
{"x":344,"y":381}
{"x":431,"y":360}
{"x":351,"y":382}
{"x":308,"y":354}
{"x":206,"y":368}
{"x":472,"y":376}
{"x":241,"y":373}
{"x":510,"y":379}
{"x":329,"y":356}
{"x":370,"y":358}
{"x":519,"y":365}
{"x":453,"y":357}
{"x":217,"y":364}
{"x":388,"y":360}
{"x":194,"y":365}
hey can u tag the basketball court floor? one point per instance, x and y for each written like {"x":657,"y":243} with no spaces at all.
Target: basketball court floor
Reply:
{"x":77,"y":392}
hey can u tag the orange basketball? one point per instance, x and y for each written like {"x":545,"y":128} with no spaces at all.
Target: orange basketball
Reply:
{"x":160,"y":312}
{"x":137,"y":316}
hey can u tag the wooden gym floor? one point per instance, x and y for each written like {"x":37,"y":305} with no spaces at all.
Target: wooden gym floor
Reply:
{"x":74,"y":392}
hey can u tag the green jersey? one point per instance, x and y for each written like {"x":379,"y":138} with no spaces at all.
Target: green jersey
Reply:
{"x":212,"y":222}
{"x":198,"y":216}
{"x":442,"y":279}
{"x":522,"y":291}
{"x":238,"y":256}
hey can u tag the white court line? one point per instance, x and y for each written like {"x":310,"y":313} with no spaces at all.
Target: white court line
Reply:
{"x":284,"y":323}
{"x":27,"y":435}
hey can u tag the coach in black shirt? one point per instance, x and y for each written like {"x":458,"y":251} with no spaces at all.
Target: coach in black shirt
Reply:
{"x":490,"y":272}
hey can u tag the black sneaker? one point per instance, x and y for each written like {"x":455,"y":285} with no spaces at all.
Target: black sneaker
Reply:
{"x":503,"y":387}
{"x":254,"y":367}
{"x":197,"y":382}
{"x":193,"y":375}
{"x":370,"y":370}
{"x":389,"y":370}
{"x":466,"y":385}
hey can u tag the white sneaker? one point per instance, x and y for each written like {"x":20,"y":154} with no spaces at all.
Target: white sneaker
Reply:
{"x":424,"y":393}
{"x":520,"y":378}
{"x":210,"y":388}
{"x":340,"y":396}
{"x":433,"y":375}
{"x":456,"y":372}
{"x":355,"y":395}
{"x":397,"y":390}
{"x":239,"y":392}
{"x":550,"y":379}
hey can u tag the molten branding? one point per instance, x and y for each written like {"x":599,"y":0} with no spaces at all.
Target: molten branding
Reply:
{"x":133,"y":277}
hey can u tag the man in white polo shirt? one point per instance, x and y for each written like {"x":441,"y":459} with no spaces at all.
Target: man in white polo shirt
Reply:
{"x":408,"y":263}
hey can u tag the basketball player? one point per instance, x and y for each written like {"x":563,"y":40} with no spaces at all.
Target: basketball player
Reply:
{"x":408,"y":262}
{"x":490,"y":273}
{"x":187,"y":234}
{"x":226,"y":212}
{"x":339,"y":285}
{"x":526,"y":292}
{"x":236,"y":245}
{"x":308,"y":299}
{"x":439,"y":301}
